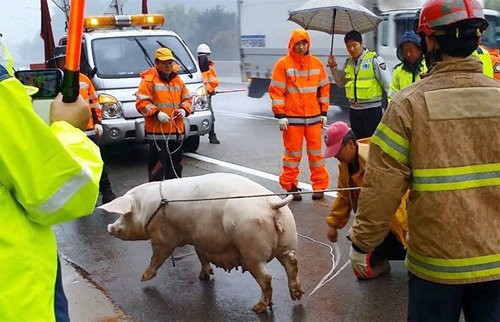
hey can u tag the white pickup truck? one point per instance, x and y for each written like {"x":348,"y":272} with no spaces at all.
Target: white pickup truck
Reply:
{"x":115,"y":50}
{"x":265,"y":33}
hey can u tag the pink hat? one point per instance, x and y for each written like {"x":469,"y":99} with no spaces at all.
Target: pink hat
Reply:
{"x":334,"y":135}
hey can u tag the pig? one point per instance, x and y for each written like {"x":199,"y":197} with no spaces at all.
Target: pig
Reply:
{"x":228,"y":233}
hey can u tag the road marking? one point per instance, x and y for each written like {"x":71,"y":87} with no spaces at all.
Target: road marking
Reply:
{"x":257,"y":173}
{"x":246,"y":116}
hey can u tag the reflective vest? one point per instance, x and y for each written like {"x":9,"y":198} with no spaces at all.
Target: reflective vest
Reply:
{"x":484,"y":55}
{"x":210,"y":78}
{"x":87,"y":91}
{"x":155,"y":95}
{"x":402,"y":77}
{"x":364,"y":84}
{"x":47,"y":176}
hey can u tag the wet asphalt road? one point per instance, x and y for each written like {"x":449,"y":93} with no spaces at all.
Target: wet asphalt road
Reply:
{"x":250,"y":138}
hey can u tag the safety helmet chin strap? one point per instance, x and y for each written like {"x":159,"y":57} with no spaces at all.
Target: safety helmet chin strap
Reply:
{"x":432,"y":56}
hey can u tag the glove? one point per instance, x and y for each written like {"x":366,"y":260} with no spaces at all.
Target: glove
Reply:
{"x":283,"y":123}
{"x":98,"y":130}
{"x":360,"y":263}
{"x":179,"y":113}
{"x":323,"y":120}
{"x":332,"y":234}
{"x":163,"y":117}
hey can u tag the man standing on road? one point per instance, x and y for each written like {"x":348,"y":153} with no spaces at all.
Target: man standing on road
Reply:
{"x":365,"y":77}
{"x":412,"y":64}
{"x":94,"y":128}
{"x":300,"y":92}
{"x":164,"y":101}
{"x":432,"y":137}
{"x":48,"y":175}
{"x":211,"y":83}
{"x":352,"y":156}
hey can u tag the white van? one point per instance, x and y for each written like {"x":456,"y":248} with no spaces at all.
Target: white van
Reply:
{"x":115,"y":50}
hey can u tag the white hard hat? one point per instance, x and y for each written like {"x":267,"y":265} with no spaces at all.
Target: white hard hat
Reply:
{"x":203,"y":49}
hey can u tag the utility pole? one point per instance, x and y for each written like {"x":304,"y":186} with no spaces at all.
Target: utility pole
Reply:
{"x":115,"y":7}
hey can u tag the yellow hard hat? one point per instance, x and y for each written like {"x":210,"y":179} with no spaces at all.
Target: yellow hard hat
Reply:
{"x":164,"y":54}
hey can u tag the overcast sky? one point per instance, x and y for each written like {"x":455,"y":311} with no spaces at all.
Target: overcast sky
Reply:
{"x":20,"y":22}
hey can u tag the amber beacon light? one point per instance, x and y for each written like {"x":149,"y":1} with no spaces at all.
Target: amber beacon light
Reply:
{"x":71,"y":86}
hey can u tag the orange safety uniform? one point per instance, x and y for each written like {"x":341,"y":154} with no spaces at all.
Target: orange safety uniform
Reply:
{"x":495,"y":59}
{"x":155,"y":95}
{"x":210,"y":79}
{"x":87,"y":91}
{"x":300,"y":92}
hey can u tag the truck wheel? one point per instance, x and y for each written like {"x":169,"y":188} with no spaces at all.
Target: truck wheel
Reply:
{"x":191,"y":144}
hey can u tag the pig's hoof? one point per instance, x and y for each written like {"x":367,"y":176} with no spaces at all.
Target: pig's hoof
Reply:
{"x":259,"y":307}
{"x":296,"y":293}
{"x":211,"y":271}
{"x":204,"y":276}
{"x":147,"y":276}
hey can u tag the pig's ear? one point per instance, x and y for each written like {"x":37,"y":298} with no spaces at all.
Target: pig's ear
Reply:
{"x":121,"y":205}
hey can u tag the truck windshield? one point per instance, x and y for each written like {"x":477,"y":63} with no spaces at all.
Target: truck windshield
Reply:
{"x":121,"y":57}
{"x":491,"y":37}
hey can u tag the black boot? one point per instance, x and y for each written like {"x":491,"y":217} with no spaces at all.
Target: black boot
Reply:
{"x":213,"y":139}
{"x":107,"y":195}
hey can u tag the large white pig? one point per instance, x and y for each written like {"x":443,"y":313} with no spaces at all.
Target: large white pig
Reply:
{"x":229,"y":233}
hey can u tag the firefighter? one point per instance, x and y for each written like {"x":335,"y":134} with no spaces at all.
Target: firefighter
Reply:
{"x":48,"y":175}
{"x":412,"y":64}
{"x":164,"y":101}
{"x":300,"y":92}
{"x":94,"y":128}
{"x":438,"y":135}
{"x":352,"y":155}
{"x":211,"y":83}
{"x":365,"y":77}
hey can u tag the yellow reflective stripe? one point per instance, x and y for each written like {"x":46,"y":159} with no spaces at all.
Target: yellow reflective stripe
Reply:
{"x":278,"y":84}
{"x":323,"y":82}
{"x":92,"y":96}
{"x":295,"y":72}
{"x":315,"y":152}
{"x":324,"y":99}
{"x":318,"y":163}
{"x":302,"y":89}
{"x":293,"y":153}
{"x":143,"y":97}
{"x":163,"y":87}
{"x":167,"y":105}
{"x":456,"y":178}
{"x":291,"y":164}
{"x":278,"y":102}
{"x":462,"y":268}
{"x":391,"y":143}
{"x":95,"y":105}
{"x":84,"y":85}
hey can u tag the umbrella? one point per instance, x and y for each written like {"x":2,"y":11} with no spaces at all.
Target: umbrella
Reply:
{"x":335,"y":17}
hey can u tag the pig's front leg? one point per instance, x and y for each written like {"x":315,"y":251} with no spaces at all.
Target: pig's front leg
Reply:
{"x":289,"y":261}
{"x":206,"y":269}
{"x":161,"y":250}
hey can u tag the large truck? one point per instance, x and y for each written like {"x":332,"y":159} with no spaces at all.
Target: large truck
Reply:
{"x":265,"y":33}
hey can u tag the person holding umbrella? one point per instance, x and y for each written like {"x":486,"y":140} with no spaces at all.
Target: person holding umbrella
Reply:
{"x":300,"y":93}
{"x":412,"y":63}
{"x":365,"y":77}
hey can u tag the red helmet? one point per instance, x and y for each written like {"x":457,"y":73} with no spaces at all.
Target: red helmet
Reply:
{"x":442,"y":13}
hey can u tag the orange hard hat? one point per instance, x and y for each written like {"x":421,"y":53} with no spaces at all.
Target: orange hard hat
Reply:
{"x":438,"y":14}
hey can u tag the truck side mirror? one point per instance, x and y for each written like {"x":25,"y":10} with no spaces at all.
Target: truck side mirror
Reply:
{"x":203,"y":63}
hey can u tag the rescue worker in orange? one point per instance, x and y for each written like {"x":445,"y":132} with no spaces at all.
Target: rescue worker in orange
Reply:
{"x":211,"y":83}
{"x":164,"y":101}
{"x":352,"y":155}
{"x":94,"y":128}
{"x":432,"y":138}
{"x":300,"y":93}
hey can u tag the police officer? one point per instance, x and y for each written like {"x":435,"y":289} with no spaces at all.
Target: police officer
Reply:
{"x":365,"y":77}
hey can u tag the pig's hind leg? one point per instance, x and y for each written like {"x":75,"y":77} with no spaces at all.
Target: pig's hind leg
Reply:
{"x":206,"y":269}
{"x":161,"y":250}
{"x":289,"y":261}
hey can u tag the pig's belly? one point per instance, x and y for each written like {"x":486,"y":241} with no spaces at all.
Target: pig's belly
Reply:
{"x":227,"y":259}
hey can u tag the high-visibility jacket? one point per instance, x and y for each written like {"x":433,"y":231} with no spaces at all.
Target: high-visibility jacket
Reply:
{"x":347,"y":201}
{"x":362,"y":86}
{"x":405,"y":75}
{"x":495,"y":60}
{"x":155,"y":95}
{"x":47,"y":176}
{"x":87,"y":91}
{"x":432,"y":137}
{"x":210,"y":79}
{"x":484,"y":55}
{"x":299,"y":89}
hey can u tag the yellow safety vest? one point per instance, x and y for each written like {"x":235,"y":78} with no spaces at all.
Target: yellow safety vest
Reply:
{"x":484,"y":55}
{"x":364,"y":84}
{"x":402,"y":78}
{"x":47,"y":175}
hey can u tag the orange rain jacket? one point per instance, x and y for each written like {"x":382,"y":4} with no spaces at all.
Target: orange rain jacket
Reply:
{"x":210,"y":79}
{"x":155,"y":95}
{"x":87,"y":91}
{"x":495,"y":59}
{"x":299,"y":89}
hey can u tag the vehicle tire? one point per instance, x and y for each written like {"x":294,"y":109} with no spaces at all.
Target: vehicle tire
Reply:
{"x":191,"y":144}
